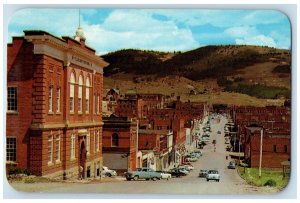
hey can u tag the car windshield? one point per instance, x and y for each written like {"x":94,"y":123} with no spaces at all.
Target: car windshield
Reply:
{"x":213,"y":172}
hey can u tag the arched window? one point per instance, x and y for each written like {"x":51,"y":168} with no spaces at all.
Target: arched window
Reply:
{"x":115,"y":140}
{"x":72,"y":83}
{"x":80,"y":83}
{"x":87,"y":95}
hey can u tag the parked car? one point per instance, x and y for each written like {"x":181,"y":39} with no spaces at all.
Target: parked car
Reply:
{"x":175,"y":172}
{"x":143,"y":173}
{"x":108,"y":172}
{"x":187,"y":163}
{"x":191,"y":159}
{"x":165,"y":175}
{"x":219,"y":132}
{"x":231,"y":165}
{"x":203,"y":173}
{"x":213,"y":175}
{"x":186,"y":167}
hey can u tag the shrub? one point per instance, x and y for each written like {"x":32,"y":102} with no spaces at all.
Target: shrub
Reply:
{"x":29,"y":180}
{"x":270,"y":182}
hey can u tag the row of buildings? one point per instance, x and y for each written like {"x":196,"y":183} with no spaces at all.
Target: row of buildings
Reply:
{"x":267,"y":127}
{"x":55,"y":120}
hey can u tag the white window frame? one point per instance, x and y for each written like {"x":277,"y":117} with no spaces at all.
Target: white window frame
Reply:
{"x":57,"y":148}
{"x":12,"y":99}
{"x":50,"y":150}
{"x":87,"y":95}
{"x":58,"y":100}
{"x":80,"y":84}
{"x":72,"y":92}
{"x":73,"y":149}
{"x":11,"y":156}
{"x":50,"y":99}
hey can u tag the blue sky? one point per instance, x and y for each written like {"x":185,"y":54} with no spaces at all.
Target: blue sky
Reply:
{"x":109,"y":30}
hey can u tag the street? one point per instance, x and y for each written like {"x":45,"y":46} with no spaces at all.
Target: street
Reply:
{"x":230,"y":182}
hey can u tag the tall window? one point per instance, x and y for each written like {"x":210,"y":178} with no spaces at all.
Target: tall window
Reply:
{"x":88,"y":143}
{"x":73,"y":146}
{"x":94,"y":102}
{"x":12,"y":102}
{"x":50,"y":99}
{"x":72,"y":83}
{"x":58,"y":100}
{"x":57,"y":147}
{"x":285,"y":148}
{"x":115,"y":140}
{"x":50,"y":148}
{"x":80,"y":94}
{"x":98,"y":104}
{"x":97,"y":140}
{"x":274,"y":148}
{"x":11,"y":149}
{"x":87,"y":95}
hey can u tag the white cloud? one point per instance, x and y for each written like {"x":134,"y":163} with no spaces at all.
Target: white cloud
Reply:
{"x":137,"y":29}
{"x":260,"y":40}
{"x":242,"y":31}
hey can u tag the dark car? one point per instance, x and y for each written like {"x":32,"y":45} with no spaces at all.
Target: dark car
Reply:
{"x":231,"y":165}
{"x":203,"y":173}
{"x":175,"y":172}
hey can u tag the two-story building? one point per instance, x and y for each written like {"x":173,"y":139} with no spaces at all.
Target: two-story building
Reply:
{"x":54,"y":93}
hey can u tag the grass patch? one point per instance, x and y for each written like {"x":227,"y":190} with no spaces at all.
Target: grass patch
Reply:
{"x":269,"y":177}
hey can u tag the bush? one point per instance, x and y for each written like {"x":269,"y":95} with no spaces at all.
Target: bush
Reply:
{"x":271,"y":183}
{"x":29,"y":180}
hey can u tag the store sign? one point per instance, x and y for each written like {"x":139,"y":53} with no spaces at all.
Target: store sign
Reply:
{"x":78,"y":60}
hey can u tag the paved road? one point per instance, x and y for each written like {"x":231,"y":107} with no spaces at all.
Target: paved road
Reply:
{"x":230,"y":182}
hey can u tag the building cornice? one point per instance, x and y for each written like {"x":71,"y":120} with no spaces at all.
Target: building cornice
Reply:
{"x":69,"y":54}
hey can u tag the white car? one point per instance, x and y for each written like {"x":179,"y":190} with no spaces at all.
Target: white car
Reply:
{"x":186,"y":167}
{"x":213,"y":175}
{"x":165,"y":175}
{"x":108,"y":172}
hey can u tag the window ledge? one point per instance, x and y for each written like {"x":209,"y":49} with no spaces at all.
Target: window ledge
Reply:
{"x":50,"y":113}
{"x":50,"y":164}
{"x":12,"y":112}
{"x":58,"y":113}
{"x":71,"y":113}
{"x":73,"y":159}
{"x":11,"y":163}
{"x":80,"y":113}
{"x":57,"y":162}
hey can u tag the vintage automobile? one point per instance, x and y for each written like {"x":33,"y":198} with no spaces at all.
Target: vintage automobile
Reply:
{"x":231,"y":165}
{"x":203,"y":173}
{"x":143,"y":173}
{"x":175,"y":172}
{"x":213,"y":175}
{"x":108,"y":172}
{"x":165,"y":175}
{"x":186,"y":167}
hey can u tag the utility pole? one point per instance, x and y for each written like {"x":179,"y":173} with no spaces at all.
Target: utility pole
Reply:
{"x":260,"y":153}
{"x":239,"y":143}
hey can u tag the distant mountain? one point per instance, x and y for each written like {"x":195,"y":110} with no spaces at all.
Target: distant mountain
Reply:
{"x":204,"y":62}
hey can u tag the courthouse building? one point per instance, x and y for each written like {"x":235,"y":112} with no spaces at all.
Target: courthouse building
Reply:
{"x":54,"y":105}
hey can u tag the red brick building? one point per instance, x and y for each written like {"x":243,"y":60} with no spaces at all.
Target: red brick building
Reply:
{"x":275,"y":147}
{"x":54,"y":119}
{"x":120,"y":143}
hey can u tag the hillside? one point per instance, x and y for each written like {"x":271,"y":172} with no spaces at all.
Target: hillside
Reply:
{"x":195,"y":75}
{"x":209,"y":61}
